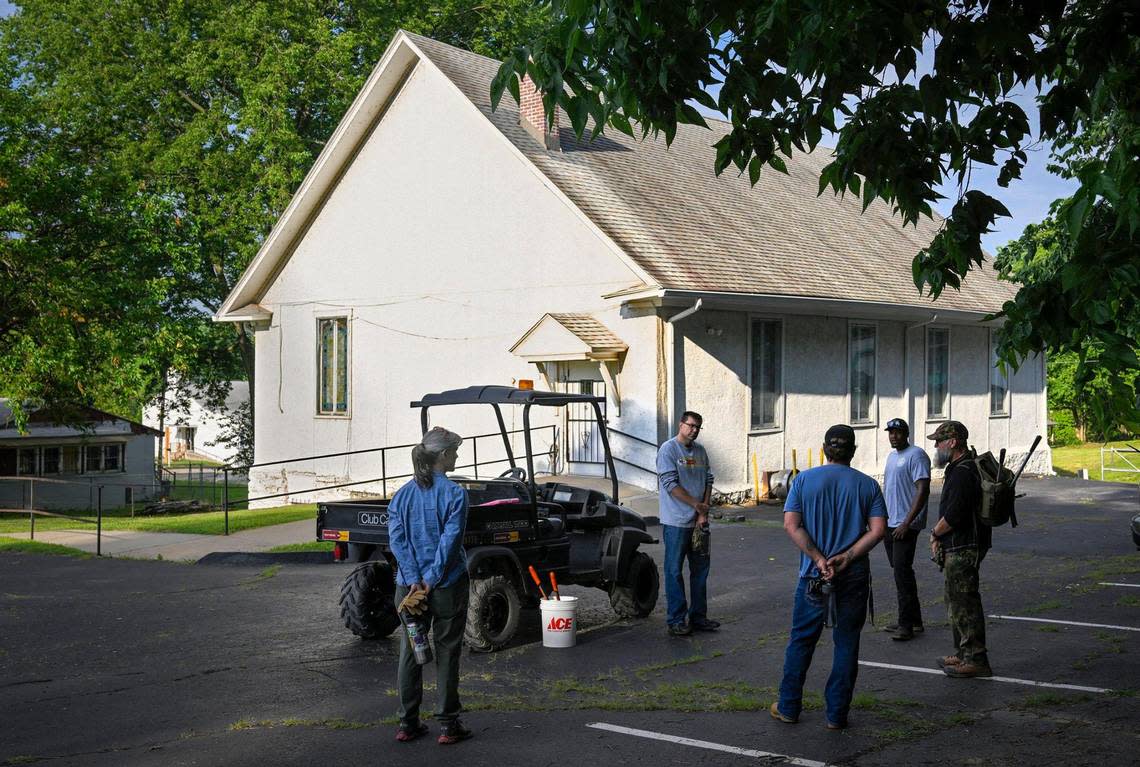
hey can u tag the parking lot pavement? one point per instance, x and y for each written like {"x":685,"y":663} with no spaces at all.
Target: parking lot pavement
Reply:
{"x":137,"y":663}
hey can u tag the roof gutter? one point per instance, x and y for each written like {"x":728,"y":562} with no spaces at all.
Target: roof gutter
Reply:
{"x":808,"y":305}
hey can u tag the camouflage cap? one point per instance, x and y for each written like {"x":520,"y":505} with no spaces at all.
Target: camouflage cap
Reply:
{"x":948,"y":429}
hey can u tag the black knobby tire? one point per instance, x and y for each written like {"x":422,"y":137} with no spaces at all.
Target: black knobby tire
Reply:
{"x":492,"y":613}
{"x":636,"y":596}
{"x":366,"y":601}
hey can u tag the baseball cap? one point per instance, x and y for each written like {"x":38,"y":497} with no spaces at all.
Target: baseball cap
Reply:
{"x":948,"y":429}
{"x":841,"y":435}
{"x":898,"y":423}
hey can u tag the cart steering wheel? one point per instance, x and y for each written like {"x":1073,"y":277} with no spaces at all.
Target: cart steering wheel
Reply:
{"x":515,"y":472}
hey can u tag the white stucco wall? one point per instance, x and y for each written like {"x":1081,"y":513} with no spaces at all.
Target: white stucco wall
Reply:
{"x":442,"y":247}
{"x":712,"y":374}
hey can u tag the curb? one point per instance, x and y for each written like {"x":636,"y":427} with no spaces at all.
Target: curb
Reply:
{"x":263,"y":558}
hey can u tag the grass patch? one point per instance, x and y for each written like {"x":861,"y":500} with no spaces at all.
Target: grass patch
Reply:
{"x":703,"y":695}
{"x":1043,"y":607}
{"x":307,"y":546}
{"x":268,"y":573}
{"x":22,"y":760}
{"x":1066,"y":461}
{"x":35,"y":547}
{"x":1050,"y":699}
{"x":200,"y":523}
{"x":1047,"y":629}
{"x":1128,"y":601}
{"x":328,"y":724}
{"x":1114,"y":567}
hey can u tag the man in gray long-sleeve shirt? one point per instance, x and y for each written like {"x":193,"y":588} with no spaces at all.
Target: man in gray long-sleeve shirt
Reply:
{"x":684,"y":485}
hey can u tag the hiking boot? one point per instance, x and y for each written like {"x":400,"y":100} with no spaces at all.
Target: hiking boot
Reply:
{"x":453,"y":732}
{"x":835,"y":726}
{"x":966,"y":670}
{"x":904,"y":634}
{"x":948,"y":660}
{"x":706,"y":625}
{"x":893,"y":628}
{"x":680,"y":629}
{"x":775,"y":712}
{"x":409,"y":731}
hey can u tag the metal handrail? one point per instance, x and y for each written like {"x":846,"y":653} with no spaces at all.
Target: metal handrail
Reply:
{"x":383,"y":479}
{"x":612,"y":430}
{"x":637,"y":466}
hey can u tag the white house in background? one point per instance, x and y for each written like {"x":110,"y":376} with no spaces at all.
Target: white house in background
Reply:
{"x":53,"y":466}
{"x":196,"y":427}
{"x":436,"y":244}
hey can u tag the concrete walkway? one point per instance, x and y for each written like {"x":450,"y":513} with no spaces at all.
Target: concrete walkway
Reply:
{"x":178,"y":546}
{"x":184,"y":547}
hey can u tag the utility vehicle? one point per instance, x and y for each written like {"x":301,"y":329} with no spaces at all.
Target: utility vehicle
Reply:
{"x":577,"y":533}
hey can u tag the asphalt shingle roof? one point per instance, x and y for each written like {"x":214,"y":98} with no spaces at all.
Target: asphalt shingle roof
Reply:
{"x":691,"y":230}
{"x":592,"y":332}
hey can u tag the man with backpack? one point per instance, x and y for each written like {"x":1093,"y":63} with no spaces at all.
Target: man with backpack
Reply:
{"x":959,"y":541}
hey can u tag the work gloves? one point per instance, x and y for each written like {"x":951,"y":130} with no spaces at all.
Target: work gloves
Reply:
{"x":415,"y":603}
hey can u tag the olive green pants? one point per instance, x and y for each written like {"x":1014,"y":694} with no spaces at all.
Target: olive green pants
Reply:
{"x":964,"y":605}
{"x":447,"y":615}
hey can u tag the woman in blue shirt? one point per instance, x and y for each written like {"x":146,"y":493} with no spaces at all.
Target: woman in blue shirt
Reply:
{"x":426,"y":520}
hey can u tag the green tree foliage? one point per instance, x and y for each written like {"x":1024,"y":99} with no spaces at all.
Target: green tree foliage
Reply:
{"x":147,"y":149}
{"x":786,"y":71}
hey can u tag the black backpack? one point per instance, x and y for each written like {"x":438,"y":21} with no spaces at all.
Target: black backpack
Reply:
{"x":999,"y":487}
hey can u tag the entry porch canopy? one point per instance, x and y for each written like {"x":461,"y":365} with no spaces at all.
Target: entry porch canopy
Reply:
{"x":573,"y":337}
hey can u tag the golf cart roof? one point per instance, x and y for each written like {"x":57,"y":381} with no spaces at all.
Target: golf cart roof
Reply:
{"x":502,"y":395}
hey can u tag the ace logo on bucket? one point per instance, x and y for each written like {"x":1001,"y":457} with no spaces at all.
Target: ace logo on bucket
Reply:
{"x":559,"y":622}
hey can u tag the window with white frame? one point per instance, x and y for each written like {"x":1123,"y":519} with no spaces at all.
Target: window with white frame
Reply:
{"x":861,"y":343}
{"x":103,"y":458}
{"x":26,"y":461}
{"x":999,"y":381}
{"x":767,"y":372}
{"x":937,"y":373}
{"x":332,"y":366}
{"x":49,"y":460}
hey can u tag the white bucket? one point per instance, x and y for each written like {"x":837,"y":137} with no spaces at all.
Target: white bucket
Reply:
{"x":559,"y":622}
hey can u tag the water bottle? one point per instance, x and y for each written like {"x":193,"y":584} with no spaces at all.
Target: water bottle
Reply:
{"x":417,"y":637}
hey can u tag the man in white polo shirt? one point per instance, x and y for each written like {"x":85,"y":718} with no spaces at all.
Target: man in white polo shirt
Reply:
{"x":906,"y":488}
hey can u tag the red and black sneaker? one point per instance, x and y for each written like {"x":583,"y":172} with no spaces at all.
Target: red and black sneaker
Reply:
{"x":453,"y":732}
{"x":409,"y":731}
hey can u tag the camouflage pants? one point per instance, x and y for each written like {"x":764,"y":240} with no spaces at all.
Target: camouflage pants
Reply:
{"x":964,"y":604}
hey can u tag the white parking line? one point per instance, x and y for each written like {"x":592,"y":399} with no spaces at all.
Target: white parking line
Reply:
{"x":1129,"y":585}
{"x":1008,"y":679}
{"x":704,"y":744}
{"x":1065,"y":623}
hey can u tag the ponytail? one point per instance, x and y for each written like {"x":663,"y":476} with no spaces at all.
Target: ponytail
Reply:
{"x":427,"y":453}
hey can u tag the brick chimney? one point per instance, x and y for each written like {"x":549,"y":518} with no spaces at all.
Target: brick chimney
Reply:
{"x":533,"y":118}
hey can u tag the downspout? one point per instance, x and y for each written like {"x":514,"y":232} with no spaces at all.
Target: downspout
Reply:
{"x":906,"y":371}
{"x":671,"y":342}
{"x":685,"y":313}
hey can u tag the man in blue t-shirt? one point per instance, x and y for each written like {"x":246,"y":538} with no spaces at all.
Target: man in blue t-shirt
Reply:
{"x":835,"y":515}
{"x":906,"y":486}
{"x":684,"y":488}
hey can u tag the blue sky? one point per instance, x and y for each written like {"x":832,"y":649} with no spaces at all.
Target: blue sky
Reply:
{"x":1028,"y":199}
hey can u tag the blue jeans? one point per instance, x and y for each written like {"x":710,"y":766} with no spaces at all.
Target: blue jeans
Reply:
{"x":678,"y":546}
{"x":808,"y":615}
